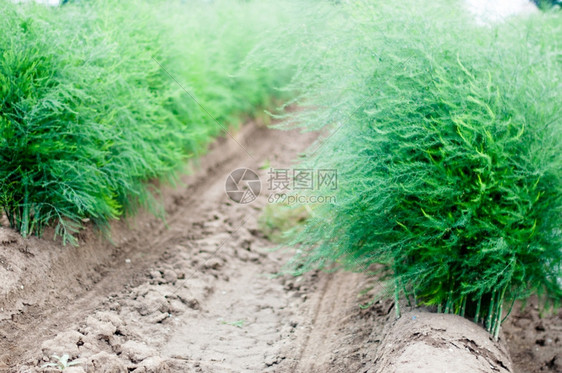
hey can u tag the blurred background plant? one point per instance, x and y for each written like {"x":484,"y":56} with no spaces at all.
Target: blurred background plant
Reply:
{"x":88,"y":116}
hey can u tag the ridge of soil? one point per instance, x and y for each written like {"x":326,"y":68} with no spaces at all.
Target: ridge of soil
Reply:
{"x":450,"y":340}
{"x":199,"y":292}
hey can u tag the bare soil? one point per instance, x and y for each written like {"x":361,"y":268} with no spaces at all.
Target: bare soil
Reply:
{"x":199,"y":293}
{"x":534,"y":340}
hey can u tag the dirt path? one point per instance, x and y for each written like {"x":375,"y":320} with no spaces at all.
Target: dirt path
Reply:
{"x":196,"y":295}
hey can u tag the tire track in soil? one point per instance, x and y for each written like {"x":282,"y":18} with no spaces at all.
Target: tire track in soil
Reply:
{"x":316,"y":308}
{"x":340,"y":336}
{"x":197,"y":294}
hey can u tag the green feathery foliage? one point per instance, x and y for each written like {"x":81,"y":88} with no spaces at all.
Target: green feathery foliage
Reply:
{"x":87,"y":114}
{"x":447,"y":140}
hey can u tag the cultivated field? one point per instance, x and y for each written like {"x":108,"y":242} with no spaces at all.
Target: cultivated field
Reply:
{"x":280,"y":186}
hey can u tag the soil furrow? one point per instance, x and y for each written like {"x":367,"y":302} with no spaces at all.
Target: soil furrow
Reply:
{"x":192,"y":228}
